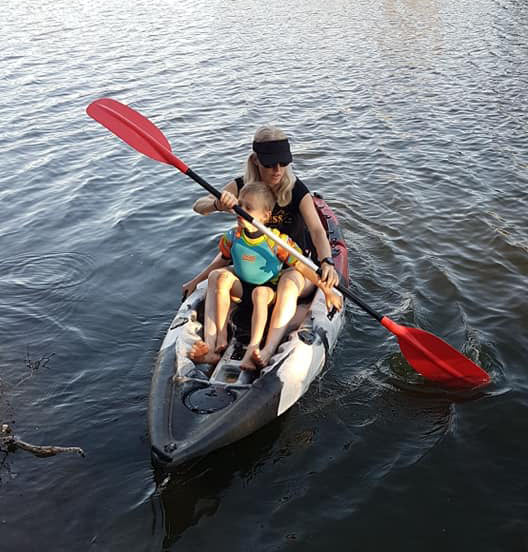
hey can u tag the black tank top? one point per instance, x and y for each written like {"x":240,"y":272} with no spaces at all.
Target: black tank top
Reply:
{"x":288,"y":219}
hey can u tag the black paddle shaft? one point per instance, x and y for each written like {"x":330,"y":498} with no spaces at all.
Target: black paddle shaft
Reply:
{"x":239,"y":211}
{"x":197,"y":178}
{"x":347,"y":293}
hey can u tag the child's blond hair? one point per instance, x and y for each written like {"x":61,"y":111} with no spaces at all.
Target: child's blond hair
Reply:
{"x":266,"y":196}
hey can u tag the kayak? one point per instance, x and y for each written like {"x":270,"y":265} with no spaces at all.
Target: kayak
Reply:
{"x":193,"y":412}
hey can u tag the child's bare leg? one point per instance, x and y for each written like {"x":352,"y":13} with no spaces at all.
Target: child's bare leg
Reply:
{"x":203,"y":351}
{"x":228,"y":285}
{"x":261,"y":297}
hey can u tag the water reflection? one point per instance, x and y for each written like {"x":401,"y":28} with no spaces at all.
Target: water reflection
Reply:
{"x":186,"y":498}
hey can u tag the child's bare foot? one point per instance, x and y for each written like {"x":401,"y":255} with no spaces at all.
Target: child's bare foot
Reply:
{"x":247,"y":360}
{"x":221,"y":345}
{"x":200,"y":354}
{"x":259,"y":358}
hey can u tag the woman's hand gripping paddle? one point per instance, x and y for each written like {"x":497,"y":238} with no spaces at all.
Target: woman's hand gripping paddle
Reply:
{"x":427,"y":354}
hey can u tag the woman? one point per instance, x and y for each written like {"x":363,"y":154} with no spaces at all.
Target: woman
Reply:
{"x":294,"y":214}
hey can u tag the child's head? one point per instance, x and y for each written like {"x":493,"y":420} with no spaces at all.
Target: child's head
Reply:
{"x":258,"y":200}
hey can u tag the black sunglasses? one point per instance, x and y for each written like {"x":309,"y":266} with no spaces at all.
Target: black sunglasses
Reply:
{"x":271,"y":165}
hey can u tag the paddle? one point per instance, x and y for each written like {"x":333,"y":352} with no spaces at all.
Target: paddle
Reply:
{"x":427,"y":354}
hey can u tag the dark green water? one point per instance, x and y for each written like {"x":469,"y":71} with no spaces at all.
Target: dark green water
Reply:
{"x":410,"y":117}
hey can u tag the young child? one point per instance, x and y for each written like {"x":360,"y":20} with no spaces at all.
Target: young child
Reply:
{"x":257,"y":264}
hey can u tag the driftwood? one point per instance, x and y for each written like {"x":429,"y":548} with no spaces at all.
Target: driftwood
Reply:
{"x":9,"y":442}
{"x":12,"y":442}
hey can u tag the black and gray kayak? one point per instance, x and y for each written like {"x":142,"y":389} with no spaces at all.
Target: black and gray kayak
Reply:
{"x":192,"y":413}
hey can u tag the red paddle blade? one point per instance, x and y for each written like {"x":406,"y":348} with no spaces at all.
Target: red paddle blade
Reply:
{"x":435,"y":359}
{"x":134,"y":129}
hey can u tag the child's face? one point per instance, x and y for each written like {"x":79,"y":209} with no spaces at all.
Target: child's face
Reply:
{"x":250,"y":204}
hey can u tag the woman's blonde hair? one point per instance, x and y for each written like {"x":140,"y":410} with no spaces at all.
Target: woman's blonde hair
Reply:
{"x":252,"y":174}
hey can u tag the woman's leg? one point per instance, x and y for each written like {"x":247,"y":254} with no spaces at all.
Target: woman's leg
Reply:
{"x":292,"y":285}
{"x":261,"y":297}
{"x":204,"y":351}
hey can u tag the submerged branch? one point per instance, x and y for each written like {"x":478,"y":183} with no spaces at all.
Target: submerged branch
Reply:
{"x":11,"y":442}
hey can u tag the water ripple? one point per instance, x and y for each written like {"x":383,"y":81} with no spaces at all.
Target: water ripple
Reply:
{"x":40,"y":292}
{"x":411,"y":119}
{"x":52,"y":270}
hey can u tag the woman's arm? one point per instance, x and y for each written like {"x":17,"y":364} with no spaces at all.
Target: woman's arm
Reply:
{"x":318,"y":234}
{"x":217,"y":262}
{"x":333,"y":299}
{"x":209,"y":204}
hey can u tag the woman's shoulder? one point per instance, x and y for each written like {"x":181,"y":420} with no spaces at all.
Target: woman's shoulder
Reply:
{"x":300,"y":185}
{"x":299,"y":191}
{"x":239,"y":181}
